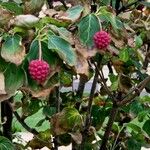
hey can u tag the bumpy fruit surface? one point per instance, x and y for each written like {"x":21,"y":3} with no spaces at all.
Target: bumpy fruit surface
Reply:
{"x":102,"y":39}
{"x":39,"y":70}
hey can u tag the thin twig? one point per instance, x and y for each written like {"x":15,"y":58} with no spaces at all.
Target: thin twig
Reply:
{"x":21,"y":121}
{"x":81,"y":86}
{"x":7,"y":117}
{"x":136,"y":90}
{"x":58,"y":103}
{"x":114,"y":145}
{"x":103,"y":81}
{"x":64,"y":4}
{"x":50,"y":3}
{"x":147,"y":57}
{"x":109,"y":67}
{"x":88,"y":116}
{"x":91,"y":99}
{"x":113,"y":114}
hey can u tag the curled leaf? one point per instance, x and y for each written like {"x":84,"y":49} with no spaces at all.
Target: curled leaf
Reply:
{"x":26,"y":21}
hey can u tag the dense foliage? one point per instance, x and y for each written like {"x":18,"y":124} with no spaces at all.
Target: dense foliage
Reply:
{"x":47,"y":45}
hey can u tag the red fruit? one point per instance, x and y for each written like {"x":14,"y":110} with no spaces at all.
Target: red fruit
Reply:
{"x":102,"y":39}
{"x":39,"y":70}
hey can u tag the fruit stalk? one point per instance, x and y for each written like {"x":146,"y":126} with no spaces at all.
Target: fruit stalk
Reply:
{"x":40,"y":50}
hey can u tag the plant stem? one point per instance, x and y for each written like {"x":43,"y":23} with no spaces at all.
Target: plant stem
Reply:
{"x":88,"y":116}
{"x":58,"y":102}
{"x":137,"y":90}
{"x":64,"y":4}
{"x":6,"y":112}
{"x":115,"y":143}
{"x":88,"y":120}
{"x":21,"y":121}
{"x":109,"y":67}
{"x":147,"y":57}
{"x":50,"y":3}
{"x":113,"y":114}
{"x":81,"y":86}
{"x":57,"y":99}
{"x":40,"y":49}
{"x":103,"y":81}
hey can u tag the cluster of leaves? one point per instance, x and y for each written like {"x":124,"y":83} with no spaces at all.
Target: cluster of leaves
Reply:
{"x":67,"y":46}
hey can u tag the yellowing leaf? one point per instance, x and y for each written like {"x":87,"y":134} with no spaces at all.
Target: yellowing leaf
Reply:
{"x":13,"y":50}
{"x":66,"y":120}
{"x":5,"y":17}
{"x":4,"y":97}
{"x":77,"y":137}
{"x":33,"y":6}
{"x":82,"y":66}
{"x":41,"y":93}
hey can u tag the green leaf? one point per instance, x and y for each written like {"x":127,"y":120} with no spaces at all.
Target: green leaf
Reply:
{"x":107,"y":16}
{"x":147,"y":4}
{"x":115,"y":82}
{"x":14,"y":78}
{"x":98,"y":119}
{"x":63,"y":49}
{"x":3,"y":64}
{"x":124,"y":55}
{"x":142,"y":115}
{"x":114,"y":85}
{"x":33,"y":106}
{"x":116,"y":127}
{"x":146,"y":127}
{"x":53,"y":21}
{"x":145,"y":99}
{"x":63,"y":32}
{"x":72,"y":117}
{"x":65,"y":78}
{"x":133,"y":144}
{"x":12,"y":6}
{"x":136,"y":108}
{"x":40,"y":123}
{"x":5,"y":144}
{"x":13,"y":50}
{"x":41,"y":140}
{"x":138,"y":41}
{"x":134,"y":127}
{"x":47,"y":55}
{"x":74,"y":13}
{"x":88,"y":26}
{"x":49,"y":111}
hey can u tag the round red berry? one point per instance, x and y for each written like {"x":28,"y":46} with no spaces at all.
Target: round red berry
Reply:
{"x":101,"y":39}
{"x":39,"y":70}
